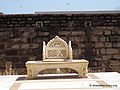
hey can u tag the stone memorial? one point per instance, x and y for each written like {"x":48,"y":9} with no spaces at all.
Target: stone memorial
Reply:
{"x":57,"y":54}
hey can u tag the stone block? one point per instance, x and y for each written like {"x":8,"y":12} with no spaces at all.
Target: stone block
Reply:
{"x":78,"y":33}
{"x":102,"y":39}
{"x":29,"y":22}
{"x":95,"y":39}
{"x":115,"y":38}
{"x":19,"y":40}
{"x":64,"y":33}
{"x":13,"y":19}
{"x":108,"y":17}
{"x":32,"y":58}
{"x":25,"y":52}
{"x":114,"y":63}
{"x":15,"y":46}
{"x":116,"y":45}
{"x":29,"y":18}
{"x":81,"y":45}
{"x":113,"y":20}
{"x":25,"y":46}
{"x":33,"y":25}
{"x":31,"y":33}
{"x":98,"y":58}
{"x":79,"y":38}
{"x":63,"y":21}
{"x":6,"y":34}
{"x":106,"y":32}
{"x":17,"y":25}
{"x":108,"y":44}
{"x":79,"y":51}
{"x":109,"y":24}
{"x":11,"y":52}
{"x":14,"y":59}
{"x":106,"y":57}
{"x":14,"y":22}
{"x":107,"y":21}
{"x":112,"y":51}
{"x":115,"y":32}
{"x":97,"y":32}
{"x":98,"y":45}
{"x":21,"y":22}
{"x":102,"y":51}
{"x":10,"y":25}
{"x":116,"y":56}
{"x":43,"y":33}
{"x":89,"y":45}
{"x":32,"y":46}
{"x":46,"y":21}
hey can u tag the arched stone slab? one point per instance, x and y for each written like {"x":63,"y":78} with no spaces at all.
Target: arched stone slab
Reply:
{"x":57,"y":50}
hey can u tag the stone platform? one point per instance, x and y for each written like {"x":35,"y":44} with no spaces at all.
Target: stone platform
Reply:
{"x":95,"y":81}
{"x":34,"y":67}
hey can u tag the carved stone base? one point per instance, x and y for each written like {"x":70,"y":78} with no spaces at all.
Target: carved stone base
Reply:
{"x":34,"y":67}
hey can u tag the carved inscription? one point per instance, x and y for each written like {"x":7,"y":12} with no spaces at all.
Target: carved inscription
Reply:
{"x":57,"y":45}
{"x":56,"y":53}
{"x":52,"y":53}
{"x":57,"y":49}
{"x":62,"y":53}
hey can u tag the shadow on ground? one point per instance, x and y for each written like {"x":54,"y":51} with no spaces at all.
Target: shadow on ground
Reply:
{"x":49,"y":77}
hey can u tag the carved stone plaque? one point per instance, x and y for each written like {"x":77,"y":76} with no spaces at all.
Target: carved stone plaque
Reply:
{"x":57,"y":49}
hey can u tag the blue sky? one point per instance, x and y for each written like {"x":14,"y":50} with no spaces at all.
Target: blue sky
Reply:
{"x":32,"y":6}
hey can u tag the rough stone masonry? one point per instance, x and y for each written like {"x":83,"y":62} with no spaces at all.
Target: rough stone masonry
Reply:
{"x":95,"y":36}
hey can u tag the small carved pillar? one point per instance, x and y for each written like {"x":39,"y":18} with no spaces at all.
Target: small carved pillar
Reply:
{"x":43,"y":50}
{"x":70,"y":51}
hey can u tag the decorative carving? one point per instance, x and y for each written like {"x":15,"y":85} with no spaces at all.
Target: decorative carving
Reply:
{"x":62,"y":53}
{"x":52,"y":53}
{"x":57,"y":42}
{"x":57,"y":48}
{"x":56,"y":53}
{"x":57,"y":45}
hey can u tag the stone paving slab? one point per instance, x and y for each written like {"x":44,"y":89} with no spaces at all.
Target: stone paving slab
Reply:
{"x":95,"y":81}
{"x":7,"y":81}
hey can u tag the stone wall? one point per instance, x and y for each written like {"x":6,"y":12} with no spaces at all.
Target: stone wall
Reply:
{"x":94,"y":36}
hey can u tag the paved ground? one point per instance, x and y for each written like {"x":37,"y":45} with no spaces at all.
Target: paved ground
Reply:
{"x":95,"y":81}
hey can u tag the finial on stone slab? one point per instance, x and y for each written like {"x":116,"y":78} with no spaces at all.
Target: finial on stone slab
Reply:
{"x":56,"y":37}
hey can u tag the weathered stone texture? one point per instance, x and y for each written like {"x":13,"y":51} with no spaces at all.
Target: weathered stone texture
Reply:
{"x":112,"y":51}
{"x":98,"y":45}
{"x":95,"y":37}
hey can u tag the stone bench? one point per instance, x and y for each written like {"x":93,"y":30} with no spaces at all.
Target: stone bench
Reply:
{"x":34,"y":67}
{"x":57,"y":54}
